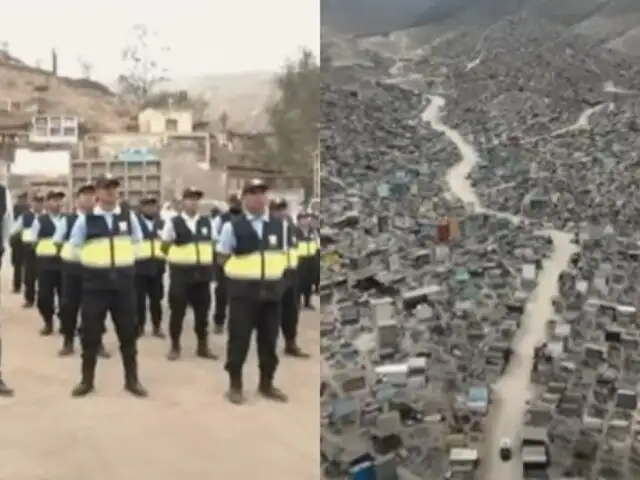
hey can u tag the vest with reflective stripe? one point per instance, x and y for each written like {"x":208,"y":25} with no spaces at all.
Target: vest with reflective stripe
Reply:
{"x":256,"y":268}
{"x":190,"y":255}
{"x":70,"y":262}
{"x":108,"y":255}
{"x":27,"y":221}
{"x":149,"y":256}
{"x":307,"y":244}
{"x":46,"y":250}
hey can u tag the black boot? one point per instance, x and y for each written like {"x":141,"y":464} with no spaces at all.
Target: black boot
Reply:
{"x":86,"y":386}
{"x":175,"y":352}
{"x":47,"y":330}
{"x":293,"y":350}
{"x":203,"y":350}
{"x":269,"y":391}
{"x":67,"y":349}
{"x":5,"y":391}
{"x":131,"y":382}
{"x":235,"y":394}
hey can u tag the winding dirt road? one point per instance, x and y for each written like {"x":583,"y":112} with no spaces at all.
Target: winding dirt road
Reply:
{"x":512,"y":391}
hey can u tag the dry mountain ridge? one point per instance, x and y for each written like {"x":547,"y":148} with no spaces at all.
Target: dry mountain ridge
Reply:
{"x":611,"y":23}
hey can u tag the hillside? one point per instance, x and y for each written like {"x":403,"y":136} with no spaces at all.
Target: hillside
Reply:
{"x":611,"y":23}
{"x":243,"y":96}
{"x":30,"y":86}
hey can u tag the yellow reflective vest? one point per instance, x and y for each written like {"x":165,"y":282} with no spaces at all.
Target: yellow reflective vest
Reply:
{"x":26,"y":235}
{"x":46,"y":250}
{"x":190,"y":255}
{"x":108,"y":253}
{"x":256,"y":267}
{"x":150,"y":259}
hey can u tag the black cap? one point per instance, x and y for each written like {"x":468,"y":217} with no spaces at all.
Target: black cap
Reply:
{"x":86,"y":188}
{"x":148,"y":200}
{"x":192,"y":192}
{"x":254,"y":186}
{"x":106,"y":181}
{"x":278,"y":203}
{"x":304,"y":214}
{"x":22,"y":195}
{"x":55,"y":194}
{"x":38,"y":197}
{"x":234,"y":198}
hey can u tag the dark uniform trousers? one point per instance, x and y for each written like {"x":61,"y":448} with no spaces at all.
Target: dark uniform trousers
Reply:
{"x":108,"y":287}
{"x":29,"y":259}
{"x":49,"y":271}
{"x":17,"y":249}
{"x":307,"y":268}
{"x":17,"y":261}
{"x":254,"y":303}
{"x":221,"y":292}
{"x":71,"y":287}
{"x":150,"y":268}
{"x":290,"y":306}
{"x":191,"y":272}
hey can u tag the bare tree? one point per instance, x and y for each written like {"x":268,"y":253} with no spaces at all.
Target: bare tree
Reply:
{"x":144,"y":70}
{"x":86,"y":67}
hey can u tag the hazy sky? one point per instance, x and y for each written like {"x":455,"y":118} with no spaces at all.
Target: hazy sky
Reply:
{"x":205,"y":36}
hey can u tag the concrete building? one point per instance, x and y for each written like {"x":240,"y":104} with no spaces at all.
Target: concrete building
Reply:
{"x":152,"y":120}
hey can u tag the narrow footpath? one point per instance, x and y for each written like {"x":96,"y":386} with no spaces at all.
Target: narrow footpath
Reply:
{"x":512,"y":391}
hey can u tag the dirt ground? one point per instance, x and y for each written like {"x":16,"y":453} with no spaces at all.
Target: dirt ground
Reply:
{"x":184,"y":430}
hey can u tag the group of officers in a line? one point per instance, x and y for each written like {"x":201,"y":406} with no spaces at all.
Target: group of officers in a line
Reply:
{"x":104,"y":257}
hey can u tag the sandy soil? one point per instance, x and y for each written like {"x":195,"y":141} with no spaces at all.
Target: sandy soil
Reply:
{"x":184,"y":430}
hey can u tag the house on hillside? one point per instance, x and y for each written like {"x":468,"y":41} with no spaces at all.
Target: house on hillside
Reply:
{"x":157,"y":120}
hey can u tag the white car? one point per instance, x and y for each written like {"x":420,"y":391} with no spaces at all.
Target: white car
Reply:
{"x":506,"y":449}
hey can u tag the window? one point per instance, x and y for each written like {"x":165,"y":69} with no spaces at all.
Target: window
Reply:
{"x":170,"y":125}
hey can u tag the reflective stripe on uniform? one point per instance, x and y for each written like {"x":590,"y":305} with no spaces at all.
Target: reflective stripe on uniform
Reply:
{"x":291,"y":256}
{"x":250,"y":267}
{"x":98,"y":253}
{"x":46,"y":248}
{"x":307,"y":248}
{"x":149,"y":249}
{"x":67,"y":253}
{"x":27,"y":236}
{"x":197,"y":253}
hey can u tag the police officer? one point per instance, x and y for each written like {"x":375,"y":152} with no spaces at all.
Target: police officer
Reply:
{"x":308,"y":247}
{"x":188,"y":239}
{"x":15,"y":242}
{"x":251,"y":248}
{"x":105,"y":240}
{"x":278,"y":208}
{"x":150,"y":267}
{"x":221,"y":299}
{"x":72,"y":271}
{"x":23,"y":227}
{"x":43,"y":230}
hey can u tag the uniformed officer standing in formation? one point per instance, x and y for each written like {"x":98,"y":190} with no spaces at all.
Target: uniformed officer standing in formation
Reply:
{"x":48,"y":265}
{"x":308,"y":248}
{"x":23,"y":226}
{"x":72,"y":271}
{"x":188,"y":240}
{"x":15,"y":242}
{"x":279,"y":209}
{"x":251,"y":248}
{"x":150,"y":268}
{"x":105,"y":240}
{"x":221,"y":297}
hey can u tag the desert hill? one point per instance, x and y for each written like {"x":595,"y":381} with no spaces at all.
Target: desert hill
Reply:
{"x":610,"y":23}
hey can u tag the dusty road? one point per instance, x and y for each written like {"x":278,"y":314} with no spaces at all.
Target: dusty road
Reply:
{"x":185,"y":430}
{"x":512,"y":391}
